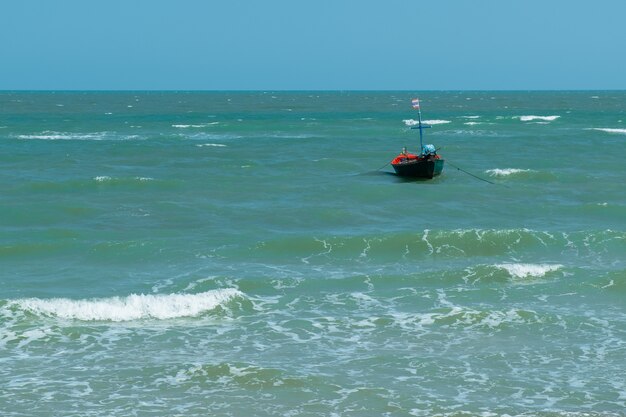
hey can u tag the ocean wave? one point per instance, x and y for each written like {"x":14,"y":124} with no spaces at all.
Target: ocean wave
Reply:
{"x":532,"y":118}
{"x":505,"y":172}
{"x":449,"y":315}
{"x":456,"y":316}
{"x":232,"y":373}
{"x":519,"y":270}
{"x":609,"y":130}
{"x":217,"y":145}
{"x":412,"y":122}
{"x":132,"y":307}
{"x":209,"y":136}
{"x":442,"y":244}
{"x":106,"y":178}
{"x":96,"y":136}
{"x":181,"y":126}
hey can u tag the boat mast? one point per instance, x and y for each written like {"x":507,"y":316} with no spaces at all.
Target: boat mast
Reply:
{"x":420,"y":126}
{"x":419,"y":119}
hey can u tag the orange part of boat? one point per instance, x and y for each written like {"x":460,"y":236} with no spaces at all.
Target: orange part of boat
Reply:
{"x":406,"y":157}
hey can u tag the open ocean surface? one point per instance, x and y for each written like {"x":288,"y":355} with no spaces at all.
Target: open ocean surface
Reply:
{"x":243,"y":254}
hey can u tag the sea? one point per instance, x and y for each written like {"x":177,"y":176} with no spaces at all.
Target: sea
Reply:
{"x":252,"y":253}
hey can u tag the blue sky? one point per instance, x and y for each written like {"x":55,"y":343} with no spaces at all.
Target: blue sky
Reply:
{"x":312,"y":45}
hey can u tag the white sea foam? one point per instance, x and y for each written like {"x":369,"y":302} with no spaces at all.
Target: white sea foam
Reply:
{"x":51,"y":135}
{"x":437,"y":122}
{"x":412,"y":122}
{"x":202,"y":135}
{"x":532,"y":118}
{"x":106,"y":178}
{"x":133,"y":307}
{"x":470,"y":117}
{"x":48,"y":135}
{"x":517,"y":270}
{"x":195,"y":125}
{"x":609,"y":130}
{"x":217,"y":145}
{"x":504,"y":172}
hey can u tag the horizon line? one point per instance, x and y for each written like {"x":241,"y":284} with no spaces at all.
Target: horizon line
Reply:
{"x":295,"y":90}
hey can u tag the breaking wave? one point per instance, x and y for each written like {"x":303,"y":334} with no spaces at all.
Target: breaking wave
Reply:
{"x":412,"y":122}
{"x":609,"y":130}
{"x":96,"y":136}
{"x":106,"y":178}
{"x":505,"y":172}
{"x":181,"y":126}
{"x":217,"y":145}
{"x":532,"y":118}
{"x":132,"y":307}
{"x":518,"y":270}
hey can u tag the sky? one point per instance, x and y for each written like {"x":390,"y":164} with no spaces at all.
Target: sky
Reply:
{"x":312,"y":45}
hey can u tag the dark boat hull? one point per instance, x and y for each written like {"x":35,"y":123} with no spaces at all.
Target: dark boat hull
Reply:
{"x":419,"y":168}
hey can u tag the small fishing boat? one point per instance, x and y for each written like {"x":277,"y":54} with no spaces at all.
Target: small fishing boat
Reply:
{"x":425,"y":164}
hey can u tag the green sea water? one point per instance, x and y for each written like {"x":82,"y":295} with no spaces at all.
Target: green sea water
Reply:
{"x":251,"y":254}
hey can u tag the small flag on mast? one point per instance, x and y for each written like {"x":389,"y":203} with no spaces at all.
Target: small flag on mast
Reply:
{"x":416,"y":103}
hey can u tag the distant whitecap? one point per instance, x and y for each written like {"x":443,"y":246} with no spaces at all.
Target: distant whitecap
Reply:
{"x":609,"y":130}
{"x":95,"y":136}
{"x":504,"y":172}
{"x":412,"y":122}
{"x":217,"y":145}
{"x":531,"y":118}
{"x":187,"y":126}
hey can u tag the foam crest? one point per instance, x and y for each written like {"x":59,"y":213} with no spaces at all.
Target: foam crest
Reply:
{"x":517,"y":270}
{"x":216,"y":145}
{"x":531,"y":118}
{"x":609,"y":130}
{"x":412,"y":122}
{"x":97,"y":136}
{"x":505,"y":172}
{"x":195,"y":125}
{"x":106,"y":178}
{"x":437,"y":122}
{"x":133,"y":307}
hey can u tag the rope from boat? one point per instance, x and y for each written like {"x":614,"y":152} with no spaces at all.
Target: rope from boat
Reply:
{"x":469,"y":173}
{"x":383,"y":166}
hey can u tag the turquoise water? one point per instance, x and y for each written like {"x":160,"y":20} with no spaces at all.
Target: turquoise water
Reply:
{"x":250,"y":254}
